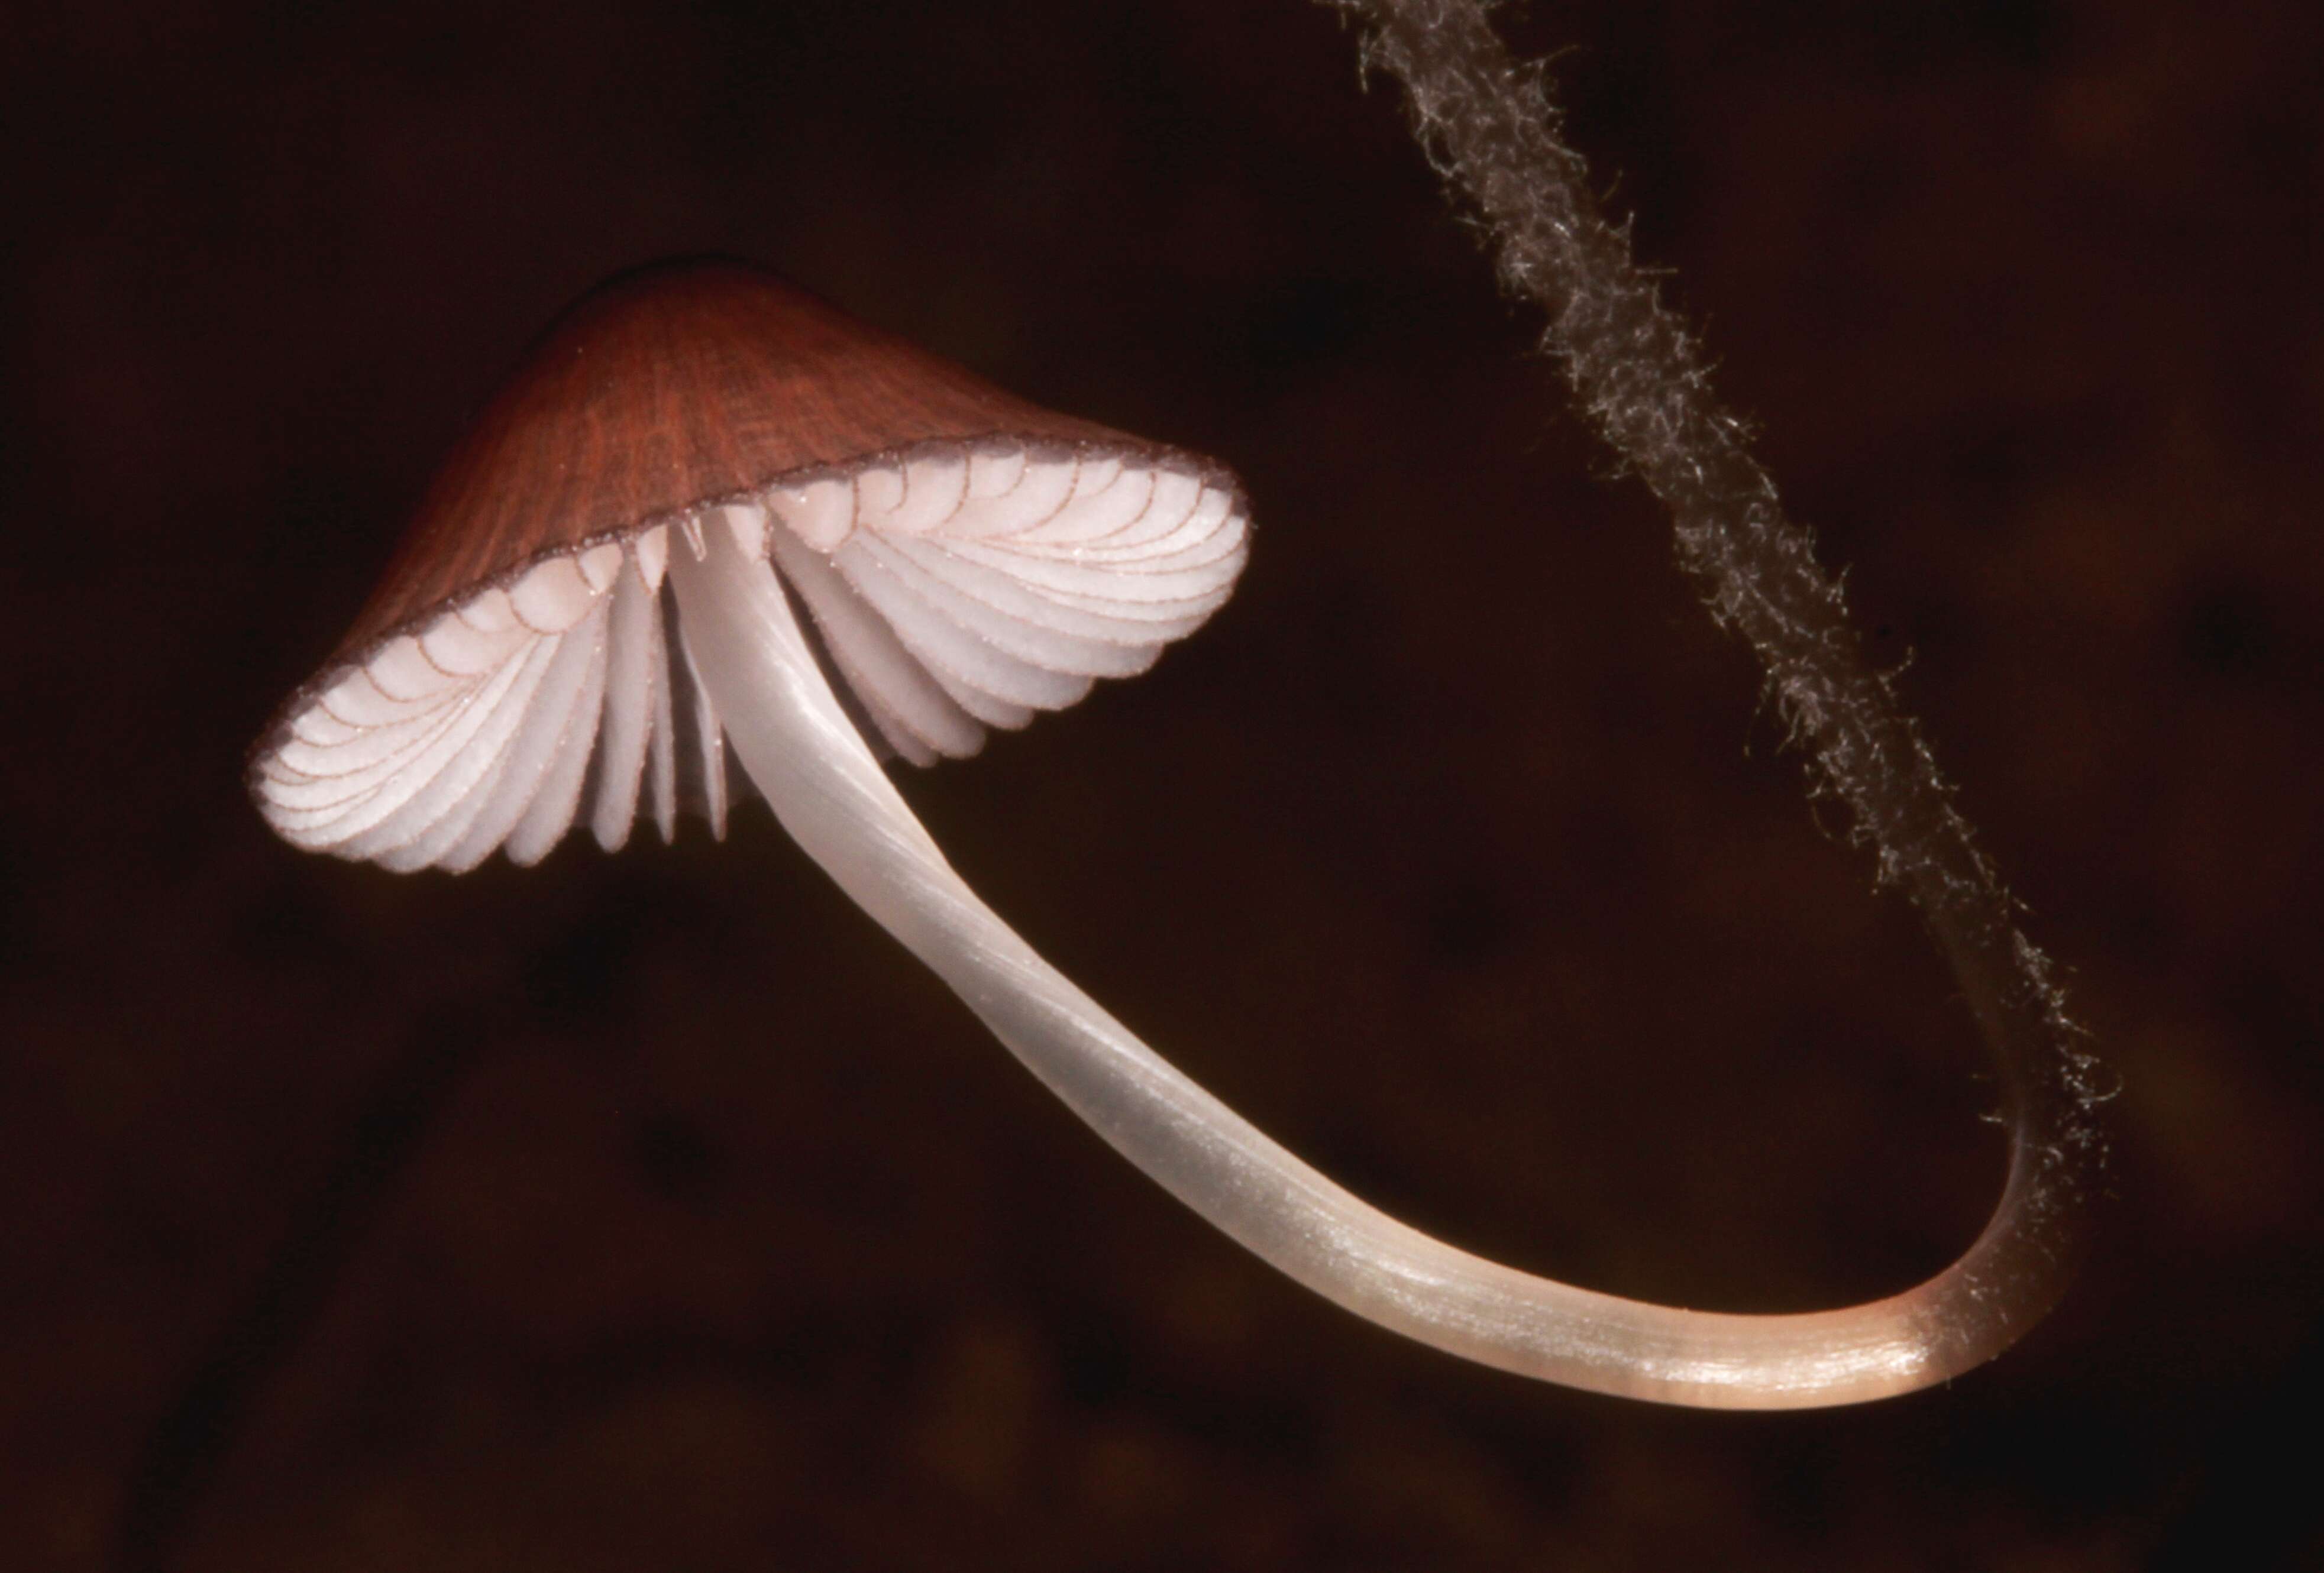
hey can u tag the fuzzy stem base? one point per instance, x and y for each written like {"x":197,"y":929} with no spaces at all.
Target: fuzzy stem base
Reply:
{"x":1488,"y":125}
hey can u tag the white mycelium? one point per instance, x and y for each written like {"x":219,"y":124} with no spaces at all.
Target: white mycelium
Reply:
{"x":958,"y":588}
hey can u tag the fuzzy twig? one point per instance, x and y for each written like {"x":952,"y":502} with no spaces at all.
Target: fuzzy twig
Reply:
{"x":1488,"y":125}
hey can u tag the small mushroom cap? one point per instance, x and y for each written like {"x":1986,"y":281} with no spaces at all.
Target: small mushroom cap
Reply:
{"x":966,"y":560}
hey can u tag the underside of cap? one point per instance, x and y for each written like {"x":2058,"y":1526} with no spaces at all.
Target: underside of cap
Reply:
{"x":951,"y":587}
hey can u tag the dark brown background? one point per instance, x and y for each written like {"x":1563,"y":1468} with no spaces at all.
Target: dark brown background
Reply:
{"x":653,"y":1211}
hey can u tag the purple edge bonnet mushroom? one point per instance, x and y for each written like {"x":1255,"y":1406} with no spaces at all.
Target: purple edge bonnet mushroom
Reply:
{"x":711,"y":510}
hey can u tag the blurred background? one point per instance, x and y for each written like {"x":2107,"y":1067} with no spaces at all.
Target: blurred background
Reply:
{"x":656,"y":1211}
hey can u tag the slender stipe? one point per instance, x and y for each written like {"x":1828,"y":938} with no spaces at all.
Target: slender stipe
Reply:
{"x":792,"y":737}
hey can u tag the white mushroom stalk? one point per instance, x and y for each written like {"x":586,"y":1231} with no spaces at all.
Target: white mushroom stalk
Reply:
{"x":799,"y":747}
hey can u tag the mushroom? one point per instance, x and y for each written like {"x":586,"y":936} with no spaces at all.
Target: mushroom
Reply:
{"x":711,"y":510}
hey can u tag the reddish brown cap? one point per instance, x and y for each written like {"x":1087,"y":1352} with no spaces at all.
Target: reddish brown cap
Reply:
{"x":668,"y":389}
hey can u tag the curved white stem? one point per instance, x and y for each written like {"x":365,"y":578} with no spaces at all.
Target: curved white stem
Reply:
{"x":828,"y":791}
